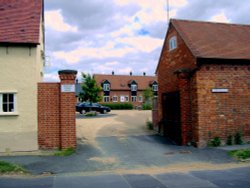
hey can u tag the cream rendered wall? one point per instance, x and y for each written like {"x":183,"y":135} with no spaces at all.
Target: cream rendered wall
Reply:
{"x":20,"y":70}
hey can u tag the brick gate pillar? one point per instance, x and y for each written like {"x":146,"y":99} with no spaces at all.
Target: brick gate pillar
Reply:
{"x":67,"y":109}
{"x":185,"y":102}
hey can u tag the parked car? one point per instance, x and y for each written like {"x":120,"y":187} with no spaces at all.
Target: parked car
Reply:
{"x":87,"y":107}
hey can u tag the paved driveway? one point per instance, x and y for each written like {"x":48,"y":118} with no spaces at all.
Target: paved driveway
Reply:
{"x":119,"y":142}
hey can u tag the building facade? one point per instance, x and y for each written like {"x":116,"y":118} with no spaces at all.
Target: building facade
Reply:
{"x":125,"y":88}
{"x":204,"y":78}
{"x":21,"y":68}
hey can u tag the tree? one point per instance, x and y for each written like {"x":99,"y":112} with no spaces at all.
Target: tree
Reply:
{"x":90,"y":89}
{"x":147,"y":94}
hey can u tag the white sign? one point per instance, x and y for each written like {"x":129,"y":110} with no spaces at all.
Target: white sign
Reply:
{"x":67,"y":88}
{"x":219,"y":90}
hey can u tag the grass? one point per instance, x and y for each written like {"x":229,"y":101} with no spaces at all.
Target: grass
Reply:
{"x":149,"y":125}
{"x":65,"y":152}
{"x":241,"y":154}
{"x":6,"y":168}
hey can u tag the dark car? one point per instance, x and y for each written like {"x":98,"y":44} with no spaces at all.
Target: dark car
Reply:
{"x":87,"y":107}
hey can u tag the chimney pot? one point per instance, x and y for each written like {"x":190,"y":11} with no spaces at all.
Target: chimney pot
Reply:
{"x":130,"y":73}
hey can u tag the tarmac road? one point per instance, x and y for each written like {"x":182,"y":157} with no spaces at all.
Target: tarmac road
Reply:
{"x":230,"y":178}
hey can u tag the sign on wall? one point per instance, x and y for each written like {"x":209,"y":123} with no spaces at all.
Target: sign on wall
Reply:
{"x":219,"y":90}
{"x":67,"y":88}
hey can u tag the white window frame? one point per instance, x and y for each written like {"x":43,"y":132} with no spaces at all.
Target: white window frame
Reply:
{"x":115,"y":98}
{"x":106,"y":99}
{"x":133,"y":98}
{"x":106,"y":87}
{"x":155,"y":87}
{"x":133,"y":87}
{"x":172,"y":43}
{"x":140,"y":99}
{"x":14,"y":112}
{"x":126,"y":98}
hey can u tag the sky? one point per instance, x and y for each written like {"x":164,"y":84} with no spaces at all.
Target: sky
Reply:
{"x":101,"y":36}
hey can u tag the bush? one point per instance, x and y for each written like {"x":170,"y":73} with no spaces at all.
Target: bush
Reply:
{"x":230,"y":140}
{"x":146,"y":106}
{"x":118,"y":106}
{"x":6,"y":167}
{"x":215,"y":142}
{"x":241,"y":154}
{"x":149,"y":125}
{"x":238,"y":138}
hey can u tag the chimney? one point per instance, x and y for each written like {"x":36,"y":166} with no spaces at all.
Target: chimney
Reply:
{"x":76,"y":81}
{"x":113,"y":73}
{"x":130,"y":73}
{"x":144,"y":73}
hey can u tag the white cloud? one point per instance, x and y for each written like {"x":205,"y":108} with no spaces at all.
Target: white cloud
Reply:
{"x":54,"y":20}
{"x":142,"y":43}
{"x":74,"y":56}
{"x":125,"y":70}
{"x":221,"y":17}
{"x":51,"y":77}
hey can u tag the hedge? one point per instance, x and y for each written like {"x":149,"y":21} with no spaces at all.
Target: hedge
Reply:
{"x":119,"y":106}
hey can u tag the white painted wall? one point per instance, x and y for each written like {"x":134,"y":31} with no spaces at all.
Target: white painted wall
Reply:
{"x":20,"y":71}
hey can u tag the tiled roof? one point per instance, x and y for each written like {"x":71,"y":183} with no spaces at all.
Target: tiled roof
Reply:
{"x":20,"y":21}
{"x":120,"y":82}
{"x":215,"y":40}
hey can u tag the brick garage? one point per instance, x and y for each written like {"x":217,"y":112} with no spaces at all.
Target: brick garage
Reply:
{"x":204,"y":82}
{"x":56,"y":112}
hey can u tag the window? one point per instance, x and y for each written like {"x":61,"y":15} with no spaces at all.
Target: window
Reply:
{"x":115,"y":98}
{"x":133,"y":87}
{"x":155,"y":87}
{"x":7,"y":102}
{"x":133,"y":98}
{"x":106,"y":99}
{"x":172,"y":43}
{"x":106,"y":87}
{"x":126,"y":98}
{"x":140,"y":98}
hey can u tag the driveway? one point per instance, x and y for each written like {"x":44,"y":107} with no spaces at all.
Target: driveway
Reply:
{"x":119,"y":143}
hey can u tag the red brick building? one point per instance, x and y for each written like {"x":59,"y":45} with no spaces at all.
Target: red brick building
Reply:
{"x":125,"y":88}
{"x":204,"y":82}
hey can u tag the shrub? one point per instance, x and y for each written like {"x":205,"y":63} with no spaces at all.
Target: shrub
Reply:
{"x":6,"y":167}
{"x":149,"y":125}
{"x":119,"y":106}
{"x":91,"y":113}
{"x":241,"y":154}
{"x":230,"y":140}
{"x":215,"y":142}
{"x":65,"y":152}
{"x":238,"y":138}
{"x":146,"y":106}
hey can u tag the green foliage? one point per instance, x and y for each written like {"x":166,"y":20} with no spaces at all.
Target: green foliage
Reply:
{"x":240,"y":154}
{"x":6,"y":167}
{"x":230,"y":140}
{"x":119,"y":106}
{"x":148,"y":94}
{"x":146,"y":106}
{"x":215,"y":142}
{"x":90,"y":89}
{"x":238,"y":138}
{"x":149,"y":125}
{"x":65,"y":152}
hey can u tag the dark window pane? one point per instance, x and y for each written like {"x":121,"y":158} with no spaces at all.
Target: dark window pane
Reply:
{"x":11,"y":107}
{"x":5,"y":109}
{"x":11,"y":98}
{"x":5,"y":98}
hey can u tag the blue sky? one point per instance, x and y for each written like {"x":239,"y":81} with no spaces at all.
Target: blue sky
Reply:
{"x":100,"y":36}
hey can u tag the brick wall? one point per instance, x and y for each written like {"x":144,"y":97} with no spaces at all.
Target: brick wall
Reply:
{"x":176,"y":59}
{"x":222,"y":114}
{"x":56,"y":113}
